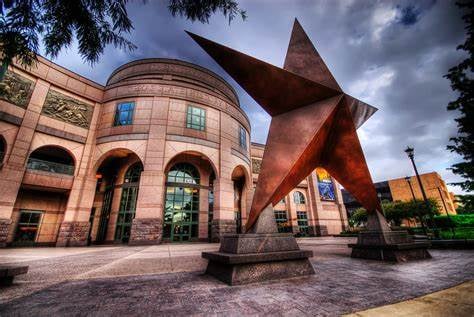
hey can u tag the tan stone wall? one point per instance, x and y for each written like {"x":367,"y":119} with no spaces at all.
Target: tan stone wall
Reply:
{"x":325,"y":217}
{"x":400,"y":190}
{"x":52,"y":206}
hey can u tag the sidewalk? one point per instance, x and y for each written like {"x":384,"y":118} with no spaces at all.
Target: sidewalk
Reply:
{"x":455,"y":301}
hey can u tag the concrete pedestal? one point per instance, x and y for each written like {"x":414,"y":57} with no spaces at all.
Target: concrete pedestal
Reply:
{"x":393,"y":246}
{"x":261,"y":255}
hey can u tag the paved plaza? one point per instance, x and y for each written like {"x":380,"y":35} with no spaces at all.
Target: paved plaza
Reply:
{"x":167,"y":279}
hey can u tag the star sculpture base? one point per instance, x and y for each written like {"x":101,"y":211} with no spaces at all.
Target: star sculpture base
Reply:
{"x":379,"y":243}
{"x":264,"y":254}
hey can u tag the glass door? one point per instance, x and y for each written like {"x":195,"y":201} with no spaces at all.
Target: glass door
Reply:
{"x":181,"y":214}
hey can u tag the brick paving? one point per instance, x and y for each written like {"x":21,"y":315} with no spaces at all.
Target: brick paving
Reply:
{"x":168,"y":280}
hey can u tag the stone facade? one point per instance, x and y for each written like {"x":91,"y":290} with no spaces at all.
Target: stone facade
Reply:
{"x":73,"y":234}
{"x":69,"y":151}
{"x":146,"y":231}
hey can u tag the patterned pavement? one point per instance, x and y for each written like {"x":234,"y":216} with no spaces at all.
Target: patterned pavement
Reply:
{"x":168,"y":280}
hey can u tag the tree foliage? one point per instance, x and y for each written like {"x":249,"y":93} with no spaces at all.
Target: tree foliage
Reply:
{"x":465,"y":204}
{"x":463,"y":83}
{"x":396,"y":212}
{"x":93,"y":23}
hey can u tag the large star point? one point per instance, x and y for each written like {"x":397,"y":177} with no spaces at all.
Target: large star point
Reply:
{"x":313,"y":121}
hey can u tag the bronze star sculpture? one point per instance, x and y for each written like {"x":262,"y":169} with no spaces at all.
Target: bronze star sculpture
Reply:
{"x":313,"y":123}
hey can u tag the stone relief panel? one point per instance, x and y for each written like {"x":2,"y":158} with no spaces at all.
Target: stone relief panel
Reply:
{"x":256,"y":165}
{"x":67,"y":109}
{"x":16,"y":89}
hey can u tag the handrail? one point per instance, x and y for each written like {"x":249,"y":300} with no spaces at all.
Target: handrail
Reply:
{"x":51,"y":167}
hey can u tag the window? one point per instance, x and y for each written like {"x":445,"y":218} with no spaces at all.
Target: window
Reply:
{"x":302,"y":217}
{"x":124,"y":113}
{"x":196,"y":118}
{"x":183,"y":173}
{"x":28,"y":225}
{"x":242,"y":138}
{"x":298,"y":198}
{"x":281,"y":219}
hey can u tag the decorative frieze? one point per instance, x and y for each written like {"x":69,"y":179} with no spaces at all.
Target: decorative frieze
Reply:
{"x":67,"y":109}
{"x":256,"y":165}
{"x":16,"y":89}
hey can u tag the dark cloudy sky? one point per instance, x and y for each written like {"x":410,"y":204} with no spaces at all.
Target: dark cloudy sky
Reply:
{"x":390,"y":54}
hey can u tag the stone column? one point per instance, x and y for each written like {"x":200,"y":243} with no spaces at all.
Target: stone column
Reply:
{"x":291,"y":212}
{"x":340,"y":205}
{"x":224,"y":221}
{"x":12,"y":172}
{"x":203,"y":208}
{"x":147,"y":227}
{"x":315,"y":205}
{"x":75,"y":227}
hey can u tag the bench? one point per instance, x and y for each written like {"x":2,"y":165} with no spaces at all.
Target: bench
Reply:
{"x":8,"y":272}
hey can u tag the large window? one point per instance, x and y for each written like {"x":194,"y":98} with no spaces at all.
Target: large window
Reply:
{"x":28,"y":225}
{"x":298,"y":198}
{"x":325,"y":185}
{"x":196,"y":118}
{"x":128,"y":202}
{"x":302,"y":217}
{"x":242,"y":138}
{"x":281,"y":217}
{"x":181,"y":221}
{"x":124,"y":113}
{"x":51,"y":159}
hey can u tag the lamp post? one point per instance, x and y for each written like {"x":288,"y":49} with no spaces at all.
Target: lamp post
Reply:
{"x":447,"y":213}
{"x":411,"y":155}
{"x":408,"y":179}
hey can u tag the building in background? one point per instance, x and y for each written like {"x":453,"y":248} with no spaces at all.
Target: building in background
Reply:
{"x":314,"y":207}
{"x":408,"y":188}
{"x":162,"y":152}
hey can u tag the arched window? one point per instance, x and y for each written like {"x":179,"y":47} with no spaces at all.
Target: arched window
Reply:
{"x":181,"y":220}
{"x":51,"y":159}
{"x":298,"y":198}
{"x":3,"y":149}
{"x":133,"y":173}
{"x":183,"y":173}
{"x":128,"y":202}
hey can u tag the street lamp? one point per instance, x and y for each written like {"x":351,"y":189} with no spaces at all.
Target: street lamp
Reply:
{"x":411,"y":155}
{"x":408,"y":179}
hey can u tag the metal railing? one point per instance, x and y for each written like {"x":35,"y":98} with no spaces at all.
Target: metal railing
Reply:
{"x":51,"y":167}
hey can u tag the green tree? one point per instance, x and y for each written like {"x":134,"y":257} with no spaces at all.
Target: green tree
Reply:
{"x":93,"y":23}
{"x":465,"y":204}
{"x":463,"y":83}
{"x":358,"y":217}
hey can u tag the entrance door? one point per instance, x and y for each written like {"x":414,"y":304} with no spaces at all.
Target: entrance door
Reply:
{"x":105,"y":214}
{"x":182,"y":211}
{"x":181,"y":221}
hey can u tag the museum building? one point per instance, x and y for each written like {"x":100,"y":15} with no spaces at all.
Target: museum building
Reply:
{"x":161,"y":153}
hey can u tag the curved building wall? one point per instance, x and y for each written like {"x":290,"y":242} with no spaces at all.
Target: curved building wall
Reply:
{"x":89,"y":200}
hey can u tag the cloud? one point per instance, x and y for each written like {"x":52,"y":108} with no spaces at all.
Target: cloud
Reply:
{"x":391,"y":54}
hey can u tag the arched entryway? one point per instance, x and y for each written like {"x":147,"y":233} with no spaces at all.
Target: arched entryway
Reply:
{"x":239,"y":180}
{"x":188,"y":198}
{"x":114,"y":207}
{"x":128,"y":202}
